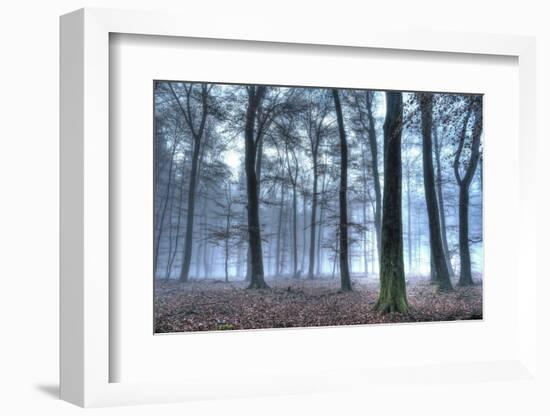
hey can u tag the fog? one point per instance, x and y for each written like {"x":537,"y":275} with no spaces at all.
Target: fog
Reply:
{"x":298,"y":171}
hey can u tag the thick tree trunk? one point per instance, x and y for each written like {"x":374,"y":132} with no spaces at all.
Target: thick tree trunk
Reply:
{"x":393,"y":296}
{"x":248,"y":263}
{"x":259,"y":145}
{"x":438,"y":263}
{"x":255,"y":96}
{"x":188,"y":242}
{"x":463,"y":237}
{"x":343,"y":228}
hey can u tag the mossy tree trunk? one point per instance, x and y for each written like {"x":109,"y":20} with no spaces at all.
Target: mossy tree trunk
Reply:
{"x":393,"y":296}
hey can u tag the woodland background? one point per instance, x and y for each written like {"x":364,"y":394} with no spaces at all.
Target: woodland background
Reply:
{"x":258,"y":183}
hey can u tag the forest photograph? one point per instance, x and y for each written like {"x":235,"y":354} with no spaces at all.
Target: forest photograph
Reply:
{"x":290,"y":206}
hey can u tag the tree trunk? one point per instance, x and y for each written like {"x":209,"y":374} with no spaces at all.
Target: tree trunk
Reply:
{"x":375,"y":174}
{"x":170,"y":236}
{"x":255,"y":96}
{"x":279,"y":231}
{"x":364,"y":210}
{"x":365,"y":241}
{"x":438,"y":263}
{"x":304,"y":232}
{"x":464,"y":186}
{"x":319,"y":257}
{"x":259,"y":145}
{"x":188,"y":242}
{"x":344,"y":266}
{"x":294,"y":232}
{"x":393,"y":295}
{"x":197,"y":138}
{"x":441,"y":203}
{"x":313,"y":220}
{"x":160,"y":227}
{"x":227,"y":228}
{"x":409,"y":236}
{"x":463,"y":236}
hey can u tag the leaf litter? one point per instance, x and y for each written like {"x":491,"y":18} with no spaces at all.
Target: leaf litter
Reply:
{"x":213,"y":305}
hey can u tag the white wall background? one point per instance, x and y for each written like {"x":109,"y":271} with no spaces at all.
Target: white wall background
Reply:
{"x":29,"y":206}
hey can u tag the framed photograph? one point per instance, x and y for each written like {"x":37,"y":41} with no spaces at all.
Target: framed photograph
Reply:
{"x":282,"y":213}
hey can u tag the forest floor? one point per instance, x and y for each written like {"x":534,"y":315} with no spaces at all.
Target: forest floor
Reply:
{"x":206,"y":305}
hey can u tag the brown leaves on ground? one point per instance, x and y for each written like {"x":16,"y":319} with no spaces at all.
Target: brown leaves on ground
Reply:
{"x":213,"y":305}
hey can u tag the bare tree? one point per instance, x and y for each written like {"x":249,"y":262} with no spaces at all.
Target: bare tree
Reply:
{"x":315,"y":124}
{"x":195,"y":118}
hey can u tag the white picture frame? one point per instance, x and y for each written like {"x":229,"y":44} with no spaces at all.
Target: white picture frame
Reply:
{"x":85,"y":164}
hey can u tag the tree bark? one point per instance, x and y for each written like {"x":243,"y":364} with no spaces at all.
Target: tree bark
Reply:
{"x":226,"y":263}
{"x":304,"y":232}
{"x":409,"y":236}
{"x":438,"y":263}
{"x":178,"y":222}
{"x":375,"y":174}
{"x":464,"y":186}
{"x":345,"y":280}
{"x":294,"y":232}
{"x":319,"y":257}
{"x":165,"y":205}
{"x":255,"y":97}
{"x":463,"y":237}
{"x":364,"y":210}
{"x":393,"y":296}
{"x":279,"y":231}
{"x":313,"y":224}
{"x":441,"y":203}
